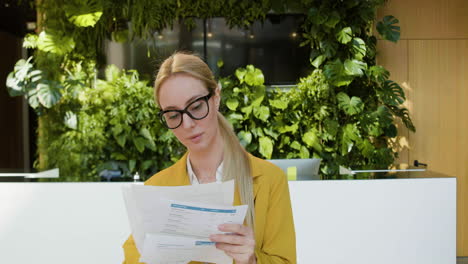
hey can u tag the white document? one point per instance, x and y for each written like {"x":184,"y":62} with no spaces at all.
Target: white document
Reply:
{"x":172,"y":224}
{"x":185,"y":234}
{"x":171,"y":249}
{"x":143,"y":202}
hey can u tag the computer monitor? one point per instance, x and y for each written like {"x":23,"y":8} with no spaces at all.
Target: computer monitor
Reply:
{"x":299,"y":169}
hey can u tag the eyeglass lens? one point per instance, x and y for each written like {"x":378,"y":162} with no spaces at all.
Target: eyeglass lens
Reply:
{"x":196,"y":110}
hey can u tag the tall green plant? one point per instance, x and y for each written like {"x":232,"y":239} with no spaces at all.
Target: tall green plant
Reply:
{"x":358,"y":115}
{"x":266,"y":122}
{"x":310,"y":120}
{"x":25,"y":80}
{"x":343,"y":112}
{"x":109,"y":123}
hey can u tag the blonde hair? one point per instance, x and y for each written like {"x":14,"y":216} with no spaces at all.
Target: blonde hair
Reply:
{"x":236,"y":163}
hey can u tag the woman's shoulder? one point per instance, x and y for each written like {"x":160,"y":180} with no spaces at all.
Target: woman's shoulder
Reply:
{"x":262,"y":167}
{"x":171,"y":176}
{"x":160,"y":177}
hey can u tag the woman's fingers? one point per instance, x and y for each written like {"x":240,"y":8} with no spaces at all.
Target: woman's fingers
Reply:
{"x":233,"y":239}
{"x":229,"y":239}
{"x":231,"y":248}
{"x":238,"y":242}
{"x":235,"y":228}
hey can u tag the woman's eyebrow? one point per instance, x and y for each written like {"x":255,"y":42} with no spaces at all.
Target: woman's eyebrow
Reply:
{"x":189,"y":101}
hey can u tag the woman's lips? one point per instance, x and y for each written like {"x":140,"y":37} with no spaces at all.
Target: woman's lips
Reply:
{"x":196,"y":138}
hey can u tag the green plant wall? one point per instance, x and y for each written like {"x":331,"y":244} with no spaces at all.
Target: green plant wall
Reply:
{"x":344,"y":111}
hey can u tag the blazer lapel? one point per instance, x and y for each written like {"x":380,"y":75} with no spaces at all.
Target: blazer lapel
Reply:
{"x":180,"y":169}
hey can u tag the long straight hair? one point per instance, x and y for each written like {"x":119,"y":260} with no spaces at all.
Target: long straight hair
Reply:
{"x":236,"y":164}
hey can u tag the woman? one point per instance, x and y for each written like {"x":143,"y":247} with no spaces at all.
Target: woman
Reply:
{"x":189,"y":97}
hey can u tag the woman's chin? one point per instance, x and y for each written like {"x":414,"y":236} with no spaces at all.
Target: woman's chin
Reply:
{"x":196,"y":146}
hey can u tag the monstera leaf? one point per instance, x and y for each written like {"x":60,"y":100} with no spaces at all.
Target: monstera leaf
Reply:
{"x":336,"y":73}
{"x":350,"y":106}
{"x":328,"y":48}
{"x":388,"y":29}
{"x":33,"y":99}
{"x":366,"y":147}
{"x":333,"y":19}
{"x":378,"y":73}
{"x":30,"y":41}
{"x":391,"y":93}
{"x":23,"y":78}
{"x":358,"y":48}
{"x":403,"y":113}
{"x":383,"y":114}
{"x":345,"y":35}
{"x":317,"y":17}
{"x":53,"y":42}
{"x":318,"y":61}
{"x":354,"y":67}
{"x":13,"y":85}
{"x":349,"y":137}
{"x":83,"y":13}
{"x":48,"y":93}
{"x":71,"y":120}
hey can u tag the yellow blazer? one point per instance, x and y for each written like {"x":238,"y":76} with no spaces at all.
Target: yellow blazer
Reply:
{"x":274,"y":226}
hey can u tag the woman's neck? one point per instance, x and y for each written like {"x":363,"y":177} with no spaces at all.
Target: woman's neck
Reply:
{"x":205,"y":163}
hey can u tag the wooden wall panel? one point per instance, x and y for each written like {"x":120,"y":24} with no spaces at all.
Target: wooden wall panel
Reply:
{"x":429,"y":65}
{"x":429,"y":19}
{"x":437,"y":75}
{"x":394,"y":57}
{"x":461,"y":80}
{"x":435,"y":33}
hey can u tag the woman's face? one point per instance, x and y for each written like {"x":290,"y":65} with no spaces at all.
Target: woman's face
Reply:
{"x":180,"y":91}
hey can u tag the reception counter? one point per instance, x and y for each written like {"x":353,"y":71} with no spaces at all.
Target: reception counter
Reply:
{"x":404,"y":221}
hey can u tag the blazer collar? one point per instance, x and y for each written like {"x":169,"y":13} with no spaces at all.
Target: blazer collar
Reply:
{"x":254,"y":166}
{"x":181,"y":176}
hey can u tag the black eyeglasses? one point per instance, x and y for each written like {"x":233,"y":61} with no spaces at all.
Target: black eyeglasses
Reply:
{"x":197,"y":110}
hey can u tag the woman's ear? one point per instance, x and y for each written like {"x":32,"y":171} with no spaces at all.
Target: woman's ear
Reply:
{"x":217,"y":96}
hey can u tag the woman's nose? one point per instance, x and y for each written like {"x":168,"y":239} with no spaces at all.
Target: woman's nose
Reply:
{"x":187,"y":121}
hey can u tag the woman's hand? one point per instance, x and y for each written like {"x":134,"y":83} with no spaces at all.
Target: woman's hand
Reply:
{"x":238,"y":244}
